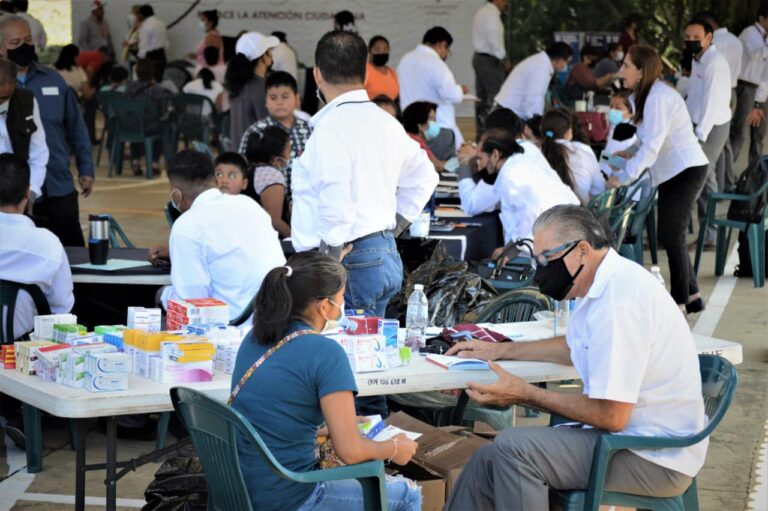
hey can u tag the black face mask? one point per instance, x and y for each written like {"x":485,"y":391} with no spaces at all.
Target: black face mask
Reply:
{"x":486,"y":177}
{"x":380,"y":59}
{"x":554,"y":279}
{"x":22,"y":56}
{"x":693,"y":47}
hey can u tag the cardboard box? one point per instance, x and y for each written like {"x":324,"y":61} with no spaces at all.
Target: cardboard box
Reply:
{"x":433,"y":494}
{"x":440,"y":452}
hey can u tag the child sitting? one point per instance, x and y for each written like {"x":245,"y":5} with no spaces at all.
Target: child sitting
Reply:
{"x":268,"y":152}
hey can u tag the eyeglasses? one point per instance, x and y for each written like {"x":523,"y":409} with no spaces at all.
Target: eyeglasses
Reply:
{"x":542,"y":259}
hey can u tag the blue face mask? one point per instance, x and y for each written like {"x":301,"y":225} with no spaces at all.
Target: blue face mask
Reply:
{"x":433,"y":130}
{"x":615,"y":117}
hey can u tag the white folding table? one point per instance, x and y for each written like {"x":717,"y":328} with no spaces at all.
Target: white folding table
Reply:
{"x":147,"y":396}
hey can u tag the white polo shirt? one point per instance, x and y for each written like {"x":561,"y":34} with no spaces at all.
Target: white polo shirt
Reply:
{"x":630,"y":343}
{"x":222,"y":247}
{"x":526,"y":187}
{"x":709,"y":92}
{"x":31,"y":255}
{"x":526,"y":87}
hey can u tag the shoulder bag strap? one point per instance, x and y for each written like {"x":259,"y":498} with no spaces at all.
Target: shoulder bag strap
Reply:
{"x":279,"y":344}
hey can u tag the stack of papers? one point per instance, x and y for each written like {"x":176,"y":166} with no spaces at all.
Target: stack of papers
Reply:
{"x":456,"y":363}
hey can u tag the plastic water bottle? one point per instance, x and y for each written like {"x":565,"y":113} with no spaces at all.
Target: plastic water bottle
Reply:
{"x":590,"y":101}
{"x":416,"y":318}
{"x":656,"y":272}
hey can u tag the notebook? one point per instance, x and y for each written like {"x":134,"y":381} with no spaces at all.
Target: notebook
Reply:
{"x":457,"y":364}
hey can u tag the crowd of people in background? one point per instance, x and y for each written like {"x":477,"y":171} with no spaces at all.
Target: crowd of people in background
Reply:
{"x":346,"y":181}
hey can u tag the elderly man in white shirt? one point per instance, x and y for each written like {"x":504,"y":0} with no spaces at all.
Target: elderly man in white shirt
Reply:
{"x":26,"y":137}
{"x":636,"y":356}
{"x":525,"y":88}
{"x":360,"y":178}
{"x":752,"y":89}
{"x":424,"y":76}
{"x":222,"y":246}
{"x":153,"y":36}
{"x":709,"y":103}
{"x":490,"y":57}
{"x":29,"y":255}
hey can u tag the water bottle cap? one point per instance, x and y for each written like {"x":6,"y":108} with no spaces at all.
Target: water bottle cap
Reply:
{"x":655,"y":269}
{"x":418,"y":287}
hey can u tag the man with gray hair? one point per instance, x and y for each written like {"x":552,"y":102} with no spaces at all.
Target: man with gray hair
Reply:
{"x":637,"y":360}
{"x":21,"y":129}
{"x":65,"y":133}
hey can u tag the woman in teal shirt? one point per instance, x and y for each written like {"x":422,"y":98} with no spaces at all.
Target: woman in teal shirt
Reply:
{"x":306,"y":381}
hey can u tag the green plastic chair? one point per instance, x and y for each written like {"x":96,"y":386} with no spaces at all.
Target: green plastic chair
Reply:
{"x":620,"y":217}
{"x":105,"y":99}
{"x":603,"y":202}
{"x":632,"y":247}
{"x":116,"y":234}
{"x":9,"y":292}
{"x":215,"y":429}
{"x":755,"y":232}
{"x":130,"y":127}
{"x":443,"y":409}
{"x":189,"y":121}
{"x":718,"y":381}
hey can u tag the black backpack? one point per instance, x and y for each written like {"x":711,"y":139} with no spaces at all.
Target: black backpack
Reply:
{"x":750,"y":182}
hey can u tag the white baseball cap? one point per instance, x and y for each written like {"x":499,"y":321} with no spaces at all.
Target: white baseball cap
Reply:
{"x":254,"y":44}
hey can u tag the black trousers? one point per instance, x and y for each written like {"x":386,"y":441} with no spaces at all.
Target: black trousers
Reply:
{"x":61,"y":215}
{"x":489,"y":77}
{"x":157,"y":56}
{"x":677,"y":198}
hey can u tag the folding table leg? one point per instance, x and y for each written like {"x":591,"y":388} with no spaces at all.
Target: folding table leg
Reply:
{"x":80,"y":464}
{"x":33,"y":438}
{"x":111,"y":480}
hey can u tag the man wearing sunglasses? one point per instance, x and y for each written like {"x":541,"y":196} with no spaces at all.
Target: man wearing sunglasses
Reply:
{"x":637,"y":360}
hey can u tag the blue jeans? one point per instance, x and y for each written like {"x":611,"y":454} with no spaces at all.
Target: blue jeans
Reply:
{"x":347,"y":495}
{"x":374,"y":276}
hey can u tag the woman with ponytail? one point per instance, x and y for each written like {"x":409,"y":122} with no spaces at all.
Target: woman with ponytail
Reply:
{"x":304,"y":380}
{"x":245,"y":81}
{"x":574,"y":162}
{"x":523,"y":182}
{"x":667,"y":145}
{"x":206,"y":85}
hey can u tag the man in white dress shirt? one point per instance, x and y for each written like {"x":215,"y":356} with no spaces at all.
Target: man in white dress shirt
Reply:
{"x":153,"y":36}
{"x":28,"y":254}
{"x":26,"y":137}
{"x":709,"y":103}
{"x":360,"y":178}
{"x":490,"y":58}
{"x":424,"y":76}
{"x":730,"y":46}
{"x":752,"y":88}
{"x":222,"y":245}
{"x":636,"y":356}
{"x":525,"y":88}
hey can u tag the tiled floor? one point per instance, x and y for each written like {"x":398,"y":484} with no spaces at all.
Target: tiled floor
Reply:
{"x":725,"y":482}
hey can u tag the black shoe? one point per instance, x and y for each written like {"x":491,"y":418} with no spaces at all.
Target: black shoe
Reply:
{"x":695,"y":306}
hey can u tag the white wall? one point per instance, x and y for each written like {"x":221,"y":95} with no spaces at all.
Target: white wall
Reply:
{"x":403,"y":22}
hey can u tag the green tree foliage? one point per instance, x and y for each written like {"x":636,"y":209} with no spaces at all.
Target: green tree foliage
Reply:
{"x":530,"y":23}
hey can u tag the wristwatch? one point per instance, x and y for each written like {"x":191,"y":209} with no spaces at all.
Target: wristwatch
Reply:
{"x":759,"y":105}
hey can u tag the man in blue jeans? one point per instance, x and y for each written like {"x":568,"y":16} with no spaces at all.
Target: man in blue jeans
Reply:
{"x":360,"y":181}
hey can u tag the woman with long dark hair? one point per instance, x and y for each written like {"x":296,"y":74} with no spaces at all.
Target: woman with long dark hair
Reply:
{"x":678,"y":166}
{"x":305,"y":380}
{"x":245,"y":81}
{"x":66,"y":65}
{"x":574,"y":161}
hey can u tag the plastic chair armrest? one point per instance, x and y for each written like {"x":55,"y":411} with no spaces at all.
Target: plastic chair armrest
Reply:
{"x":718,"y":196}
{"x":367,"y":469}
{"x":609,"y":443}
